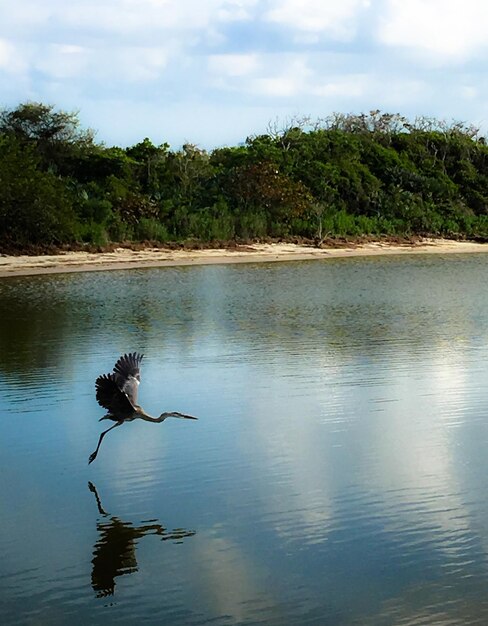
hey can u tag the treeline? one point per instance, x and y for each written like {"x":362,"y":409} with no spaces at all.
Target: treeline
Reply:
{"x":347,"y":175}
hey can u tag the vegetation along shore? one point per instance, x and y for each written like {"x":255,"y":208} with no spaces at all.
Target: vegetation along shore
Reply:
{"x":373,"y":175}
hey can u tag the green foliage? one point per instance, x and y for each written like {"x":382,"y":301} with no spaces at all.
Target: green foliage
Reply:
{"x":149,"y":229}
{"x":212,"y":223}
{"x":36,"y":122}
{"x":118,"y":230}
{"x":261,"y":186}
{"x":252,"y":225}
{"x":35,"y":206}
{"x":94,"y":233}
{"x":133,"y":207}
{"x":348,"y":175}
{"x":151,"y":160}
{"x":100,"y":165}
{"x":94,"y":209}
{"x":55,"y":135}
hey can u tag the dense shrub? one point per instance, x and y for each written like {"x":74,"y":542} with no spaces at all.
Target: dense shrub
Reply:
{"x":35,"y":207}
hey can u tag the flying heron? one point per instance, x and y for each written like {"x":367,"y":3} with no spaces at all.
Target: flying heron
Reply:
{"x":117,"y":392}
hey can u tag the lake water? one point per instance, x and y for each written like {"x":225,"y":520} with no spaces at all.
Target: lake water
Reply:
{"x":338,"y":473}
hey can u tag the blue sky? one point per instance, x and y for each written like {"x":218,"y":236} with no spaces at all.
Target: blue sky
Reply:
{"x":215,"y":71}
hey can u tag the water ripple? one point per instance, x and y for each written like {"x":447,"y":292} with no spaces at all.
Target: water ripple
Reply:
{"x":336,"y":474}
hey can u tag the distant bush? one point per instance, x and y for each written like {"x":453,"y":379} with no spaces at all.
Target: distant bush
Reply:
{"x":94,"y":233}
{"x":151,"y":230}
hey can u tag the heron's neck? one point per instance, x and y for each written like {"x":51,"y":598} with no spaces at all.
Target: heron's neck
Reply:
{"x":145,"y":416}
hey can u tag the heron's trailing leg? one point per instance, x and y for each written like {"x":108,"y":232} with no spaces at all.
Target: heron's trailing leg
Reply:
{"x":93,"y":455}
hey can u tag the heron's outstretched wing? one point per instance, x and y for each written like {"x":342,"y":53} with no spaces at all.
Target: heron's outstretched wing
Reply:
{"x":112,"y":397}
{"x":127,"y":373}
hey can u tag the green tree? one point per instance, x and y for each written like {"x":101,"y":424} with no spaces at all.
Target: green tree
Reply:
{"x":152,"y":166}
{"x":35,"y":207}
{"x":56,"y":135}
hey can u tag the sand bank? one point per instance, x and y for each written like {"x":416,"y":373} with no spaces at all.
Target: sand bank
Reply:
{"x":122,"y":258}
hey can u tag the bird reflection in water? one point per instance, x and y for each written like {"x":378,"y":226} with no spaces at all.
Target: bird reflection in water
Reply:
{"x":115,"y":551}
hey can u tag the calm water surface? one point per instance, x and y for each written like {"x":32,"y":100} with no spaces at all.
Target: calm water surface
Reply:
{"x":338,"y":473}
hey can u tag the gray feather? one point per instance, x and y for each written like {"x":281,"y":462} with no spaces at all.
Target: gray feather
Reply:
{"x":128,"y":374}
{"x":111,"y":397}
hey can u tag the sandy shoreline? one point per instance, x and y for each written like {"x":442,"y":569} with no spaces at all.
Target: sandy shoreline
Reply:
{"x":122,"y":258}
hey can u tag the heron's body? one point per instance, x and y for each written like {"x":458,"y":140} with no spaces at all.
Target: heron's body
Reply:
{"x":117,"y":392}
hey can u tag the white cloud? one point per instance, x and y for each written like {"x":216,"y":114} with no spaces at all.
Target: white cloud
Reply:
{"x":139,"y":64}
{"x":24,"y":15}
{"x":12,"y":58}
{"x":134,"y":17}
{"x":236,"y":10}
{"x":187,"y":53}
{"x":267,"y":75}
{"x":469,"y":92}
{"x":288,"y":80}
{"x":445,"y":29}
{"x":233,"y":64}
{"x":334,"y":17}
{"x":352,"y":86}
{"x":62,"y":61}
{"x":124,"y":64}
{"x":6,"y":53}
{"x":131,"y":40}
{"x":279,"y":86}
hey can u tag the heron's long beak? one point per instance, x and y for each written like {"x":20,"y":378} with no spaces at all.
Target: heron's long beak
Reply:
{"x":180,"y":415}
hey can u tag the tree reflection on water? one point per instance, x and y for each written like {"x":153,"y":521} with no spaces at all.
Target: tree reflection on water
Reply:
{"x":114,"y":553}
